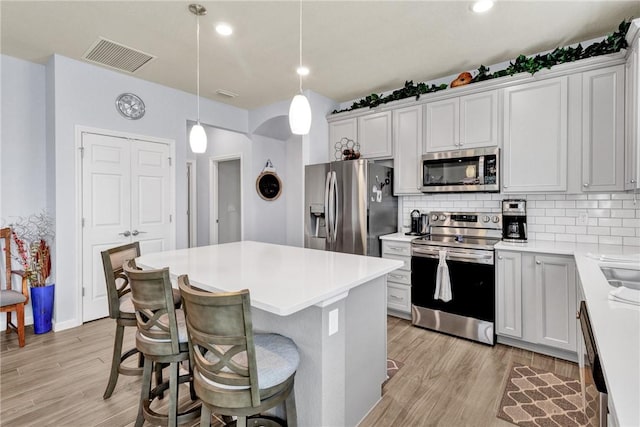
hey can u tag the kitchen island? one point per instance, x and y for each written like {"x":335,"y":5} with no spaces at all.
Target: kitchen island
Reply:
{"x":332,"y":305}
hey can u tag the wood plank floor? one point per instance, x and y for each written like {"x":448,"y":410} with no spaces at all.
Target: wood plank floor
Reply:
{"x":58,"y":379}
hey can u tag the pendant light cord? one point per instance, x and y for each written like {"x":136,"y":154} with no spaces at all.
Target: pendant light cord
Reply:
{"x":198,"y":64}
{"x":300,"y":75}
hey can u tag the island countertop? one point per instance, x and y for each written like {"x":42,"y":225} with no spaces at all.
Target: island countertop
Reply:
{"x":282,"y":279}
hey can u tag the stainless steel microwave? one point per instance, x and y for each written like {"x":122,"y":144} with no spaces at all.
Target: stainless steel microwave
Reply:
{"x":461,"y":171}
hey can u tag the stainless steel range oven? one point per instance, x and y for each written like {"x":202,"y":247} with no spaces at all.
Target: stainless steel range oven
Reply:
{"x":463,"y":242}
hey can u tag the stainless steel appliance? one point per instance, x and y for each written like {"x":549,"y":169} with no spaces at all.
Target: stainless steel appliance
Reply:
{"x":348,"y":206}
{"x":514,"y":220}
{"x":461,"y":171}
{"x":419,"y":223}
{"x":468,"y":239}
{"x":594,"y":389}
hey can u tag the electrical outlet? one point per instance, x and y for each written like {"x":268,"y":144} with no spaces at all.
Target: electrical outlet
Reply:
{"x":583,"y":218}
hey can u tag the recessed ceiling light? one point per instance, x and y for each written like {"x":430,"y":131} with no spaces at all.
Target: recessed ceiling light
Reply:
{"x":224,"y":29}
{"x":482,"y":6}
{"x":302,"y":70}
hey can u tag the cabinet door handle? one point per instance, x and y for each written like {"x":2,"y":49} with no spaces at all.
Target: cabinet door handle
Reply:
{"x":500,"y":257}
{"x":504,"y":186}
{"x":538,"y":262}
{"x":633,"y":181}
{"x":586,"y":184}
{"x":396,"y":298}
{"x":395,"y":276}
{"x":397,"y":248}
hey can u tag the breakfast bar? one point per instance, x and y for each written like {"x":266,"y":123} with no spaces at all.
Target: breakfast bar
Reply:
{"x":333,"y":305}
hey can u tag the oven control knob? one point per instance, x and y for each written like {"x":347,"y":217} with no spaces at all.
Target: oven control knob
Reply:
{"x":495,"y":218}
{"x":442,"y":217}
{"x":434,"y":217}
{"x":486,"y":218}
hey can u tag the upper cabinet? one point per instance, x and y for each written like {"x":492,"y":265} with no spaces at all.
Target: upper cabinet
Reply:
{"x":632,"y":110}
{"x":374,"y":133}
{"x":371,"y":131}
{"x":534,"y":157}
{"x":346,"y":128}
{"x":407,"y":146}
{"x":603,"y":129}
{"x":468,"y":121}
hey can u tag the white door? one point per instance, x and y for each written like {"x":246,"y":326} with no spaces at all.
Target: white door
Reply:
{"x":126,"y":197}
{"x":225,"y":208}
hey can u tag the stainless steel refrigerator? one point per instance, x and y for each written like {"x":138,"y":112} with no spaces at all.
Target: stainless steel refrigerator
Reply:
{"x":348,"y":206}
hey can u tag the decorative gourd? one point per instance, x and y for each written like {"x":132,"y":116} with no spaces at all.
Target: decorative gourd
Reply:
{"x":463,"y":79}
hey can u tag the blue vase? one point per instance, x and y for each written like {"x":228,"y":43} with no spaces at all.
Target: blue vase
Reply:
{"x":42,"y":305}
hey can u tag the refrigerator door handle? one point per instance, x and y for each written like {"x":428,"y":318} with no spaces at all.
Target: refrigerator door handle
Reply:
{"x":336,"y":214}
{"x":327,"y":186}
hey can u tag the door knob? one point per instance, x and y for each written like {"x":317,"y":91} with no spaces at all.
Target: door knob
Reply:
{"x":126,"y":233}
{"x":136,"y":232}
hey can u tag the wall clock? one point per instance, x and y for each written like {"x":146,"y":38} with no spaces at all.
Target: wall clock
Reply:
{"x":130,"y":106}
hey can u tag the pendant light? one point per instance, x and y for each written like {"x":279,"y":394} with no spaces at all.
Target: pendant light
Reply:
{"x":300,"y":110}
{"x":197,"y":136}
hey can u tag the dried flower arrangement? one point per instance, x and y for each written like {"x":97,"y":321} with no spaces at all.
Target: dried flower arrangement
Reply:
{"x":32,"y":236}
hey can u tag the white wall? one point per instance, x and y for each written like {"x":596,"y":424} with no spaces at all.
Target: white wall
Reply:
{"x":22,"y":144}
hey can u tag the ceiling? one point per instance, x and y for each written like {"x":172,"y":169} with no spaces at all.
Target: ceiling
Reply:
{"x":353,"y":48}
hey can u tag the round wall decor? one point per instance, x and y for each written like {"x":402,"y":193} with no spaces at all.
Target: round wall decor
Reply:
{"x":130,"y":106}
{"x":269,"y":185}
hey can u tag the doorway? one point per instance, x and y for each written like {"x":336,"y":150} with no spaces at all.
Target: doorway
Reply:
{"x":127,"y":195}
{"x":225,"y":195}
{"x":192,"y":207}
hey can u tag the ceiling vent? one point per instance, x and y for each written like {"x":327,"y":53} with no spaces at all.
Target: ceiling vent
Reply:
{"x":114,"y":55}
{"x":226,"y":93}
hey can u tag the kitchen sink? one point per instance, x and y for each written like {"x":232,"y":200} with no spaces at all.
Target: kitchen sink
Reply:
{"x":627,"y":277}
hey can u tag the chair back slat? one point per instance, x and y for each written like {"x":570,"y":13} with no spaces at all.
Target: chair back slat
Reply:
{"x":152,"y":297}
{"x":221,"y":343}
{"x":116,"y":281}
{"x":5,"y":236}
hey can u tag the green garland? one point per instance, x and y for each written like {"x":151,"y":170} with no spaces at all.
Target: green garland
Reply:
{"x":522,"y":64}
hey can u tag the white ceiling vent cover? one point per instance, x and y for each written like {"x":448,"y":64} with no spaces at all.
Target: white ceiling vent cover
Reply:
{"x":114,"y":55}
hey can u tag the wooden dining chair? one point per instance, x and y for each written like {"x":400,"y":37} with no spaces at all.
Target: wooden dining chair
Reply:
{"x":236,"y":372}
{"x":162,"y":338}
{"x":11,"y":300}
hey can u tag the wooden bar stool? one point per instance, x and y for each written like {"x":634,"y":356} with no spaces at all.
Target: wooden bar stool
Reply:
{"x":236,"y":373}
{"x":122,"y":311}
{"x":162,"y":339}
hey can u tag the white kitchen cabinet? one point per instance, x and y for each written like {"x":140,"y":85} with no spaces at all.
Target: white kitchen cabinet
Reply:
{"x":632,"y":123}
{"x":374,"y":133}
{"x":509,"y":294}
{"x":536,"y":302}
{"x":345,"y":128}
{"x":398,"y":281}
{"x":407,"y":146}
{"x":555,"y":301}
{"x":534,"y":157}
{"x":469,"y":121}
{"x":603,"y":129}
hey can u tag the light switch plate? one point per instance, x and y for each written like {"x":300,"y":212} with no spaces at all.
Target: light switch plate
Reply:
{"x":583,"y":218}
{"x":333,"y":321}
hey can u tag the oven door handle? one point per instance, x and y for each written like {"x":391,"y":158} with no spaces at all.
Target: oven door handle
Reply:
{"x":452,"y":255}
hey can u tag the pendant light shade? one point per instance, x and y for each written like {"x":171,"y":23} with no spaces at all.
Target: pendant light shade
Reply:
{"x":197,"y":135}
{"x":198,"y":139}
{"x":300,"y":109}
{"x":300,"y":115}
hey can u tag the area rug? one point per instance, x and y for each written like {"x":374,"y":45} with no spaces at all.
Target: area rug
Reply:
{"x":393,"y":366}
{"x":536,"y":397}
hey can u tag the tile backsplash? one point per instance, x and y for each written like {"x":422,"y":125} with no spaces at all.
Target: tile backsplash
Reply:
{"x":611,"y":218}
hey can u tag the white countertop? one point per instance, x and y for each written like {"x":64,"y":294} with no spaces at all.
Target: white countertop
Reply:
{"x":398,"y":237}
{"x":282,"y":279}
{"x":616,"y":325}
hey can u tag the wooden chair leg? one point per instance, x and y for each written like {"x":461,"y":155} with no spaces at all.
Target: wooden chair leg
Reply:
{"x":205,"y":416}
{"x":145,"y":390}
{"x":8,"y":331}
{"x":115,"y":361}
{"x":173,"y":394}
{"x":20,"y":316}
{"x":290,"y":407}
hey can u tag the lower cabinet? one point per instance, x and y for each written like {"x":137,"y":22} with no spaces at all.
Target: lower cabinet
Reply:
{"x":536,"y":302}
{"x":398,"y":281}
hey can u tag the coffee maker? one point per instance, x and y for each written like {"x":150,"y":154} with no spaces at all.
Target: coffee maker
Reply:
{"x":514,"y":220}
{"x":419,"y":223}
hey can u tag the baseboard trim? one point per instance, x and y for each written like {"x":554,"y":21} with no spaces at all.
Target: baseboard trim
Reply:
{"x":67,"y":324}
{"x":539,"y":348}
